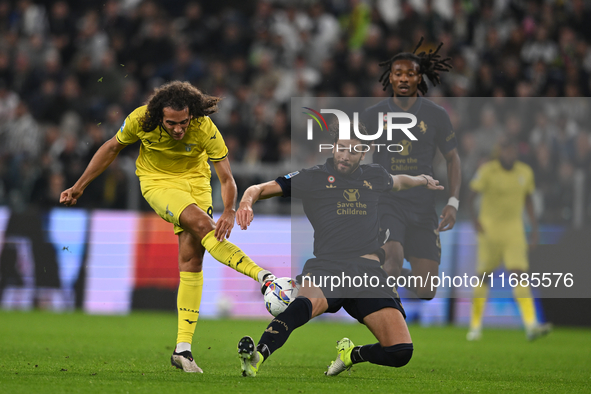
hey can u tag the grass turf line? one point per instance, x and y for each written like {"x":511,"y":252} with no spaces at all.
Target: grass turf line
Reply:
{"x":67,"y":353}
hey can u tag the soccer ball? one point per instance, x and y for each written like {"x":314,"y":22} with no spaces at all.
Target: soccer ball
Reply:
{"x":279,"y":294}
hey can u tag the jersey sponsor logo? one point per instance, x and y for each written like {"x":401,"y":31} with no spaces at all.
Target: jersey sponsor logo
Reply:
{"x":291,"y":174}
{"x":407,"y":147}
{"x":189,"y":146}
{"x":352,"y":206}
{"x":368,"y":185}
{"x":404,"y":163}
{"x":214,"y":135}
{"x":450,"y":137}
{"x":123,"y":125}
{"x":423,"y":127}
{"x":351,"y":195}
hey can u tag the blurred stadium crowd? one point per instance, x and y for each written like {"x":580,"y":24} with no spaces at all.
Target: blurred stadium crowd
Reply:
{"x":70,"y":71}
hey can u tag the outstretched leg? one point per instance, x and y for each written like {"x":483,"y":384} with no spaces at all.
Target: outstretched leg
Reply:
{"x":198,"y":236}
{"x":310,"y":303}
{"x":195,"y":221}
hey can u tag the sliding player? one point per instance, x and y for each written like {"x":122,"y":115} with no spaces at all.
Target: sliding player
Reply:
{"x":345,"y":243}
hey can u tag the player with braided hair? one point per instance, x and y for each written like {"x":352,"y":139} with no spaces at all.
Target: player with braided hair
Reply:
{"x":430,"y":64}
{"x":408,"y":219}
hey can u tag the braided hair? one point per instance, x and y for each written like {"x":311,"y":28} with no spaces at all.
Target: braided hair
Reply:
{"x":430,"y":64}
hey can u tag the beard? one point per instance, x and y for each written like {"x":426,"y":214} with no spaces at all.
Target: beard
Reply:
{"x":347,"y":170}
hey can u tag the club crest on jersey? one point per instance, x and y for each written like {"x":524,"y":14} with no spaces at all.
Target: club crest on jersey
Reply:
{"x":291,"y":174}
{"x":423,"y":127}
{"x":351,"y":195}
{"x":331,"y":179}
{"x":189,"y":146}
{"x":367,"y":184}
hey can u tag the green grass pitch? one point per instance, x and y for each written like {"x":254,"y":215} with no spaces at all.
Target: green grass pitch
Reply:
{"x":76,"y":353}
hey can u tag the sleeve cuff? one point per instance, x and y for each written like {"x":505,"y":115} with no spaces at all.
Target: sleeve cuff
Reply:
{"x":218,"y":159}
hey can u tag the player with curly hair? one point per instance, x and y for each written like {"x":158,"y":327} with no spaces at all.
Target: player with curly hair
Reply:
{"x":408,"y":219}
{"x":177,"y":139}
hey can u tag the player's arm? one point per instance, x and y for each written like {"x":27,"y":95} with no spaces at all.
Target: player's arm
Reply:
{"x":99,"y":163}
{"x":403,"y":182}
{"x":254,"y":193}
{"x":473,"y":215}
{"x":225,"y":223}
{"x":529,"y":207}
{"x":454,"y":177}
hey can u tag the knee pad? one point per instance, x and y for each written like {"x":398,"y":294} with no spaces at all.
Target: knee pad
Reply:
{"x":399,"y":355}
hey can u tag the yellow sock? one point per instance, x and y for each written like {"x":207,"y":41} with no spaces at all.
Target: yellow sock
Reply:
{"x":478,"y":304}
{"x":188,"y":302}
{"x":526,"y":305}
{"x":227,"y":253}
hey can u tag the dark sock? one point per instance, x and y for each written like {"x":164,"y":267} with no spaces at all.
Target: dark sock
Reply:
{"x":298,"y":313}
{"x":355,"y":356}
{"x":391,"y":356}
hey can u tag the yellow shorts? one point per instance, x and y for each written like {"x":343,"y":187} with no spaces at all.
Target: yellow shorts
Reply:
{"x":511,"y":251}
{"x":170,"y":197}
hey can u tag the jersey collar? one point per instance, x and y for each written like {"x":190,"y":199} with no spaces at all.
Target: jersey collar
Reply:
{"x":414,"y":109}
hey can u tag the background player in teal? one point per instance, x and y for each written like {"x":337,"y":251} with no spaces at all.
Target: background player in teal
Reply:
{"x":408,"y":218}
{"x":345,"y":243}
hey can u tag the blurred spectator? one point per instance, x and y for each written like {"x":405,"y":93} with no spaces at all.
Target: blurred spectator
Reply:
{"x":541,"y":48}
{"x":322,"y":35}
{"x":21,"y":135}
{"x":8,"y":103}
{"x":184,"y":67}
{"x":62,"y":27}
{"x":81,"y":67}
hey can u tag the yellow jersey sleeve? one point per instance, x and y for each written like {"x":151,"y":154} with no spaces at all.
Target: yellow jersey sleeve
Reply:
{"x":478,"y":183}
{"x":214,"y":145}
{"x":130,"y":129}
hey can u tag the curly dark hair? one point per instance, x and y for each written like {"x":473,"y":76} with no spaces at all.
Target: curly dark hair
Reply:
{"x":333,"y":131}
{"x":430,"y":64}
{"x":178,"y":96}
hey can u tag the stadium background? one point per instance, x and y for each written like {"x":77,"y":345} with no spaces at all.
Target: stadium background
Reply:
{"x":71,"y":71}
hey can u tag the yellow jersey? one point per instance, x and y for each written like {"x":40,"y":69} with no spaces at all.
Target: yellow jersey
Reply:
{"x":503,"y":193}
{"x":161,"y":156}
